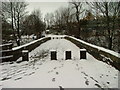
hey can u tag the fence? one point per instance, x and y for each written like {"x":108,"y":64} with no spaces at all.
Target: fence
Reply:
{"x":6,"y":52}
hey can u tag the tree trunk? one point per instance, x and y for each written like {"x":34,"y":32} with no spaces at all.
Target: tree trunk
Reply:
{"x":108,"y":27}
{"x":110,"y":43}
{"x":18,"y":31}
{"x":78,"y":22}
{"x":12,"y":16}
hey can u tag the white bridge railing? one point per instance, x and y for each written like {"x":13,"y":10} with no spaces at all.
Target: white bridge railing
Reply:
{"x":100,"y":53}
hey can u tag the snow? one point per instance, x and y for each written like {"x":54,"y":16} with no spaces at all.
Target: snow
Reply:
{"x":49,"y":35}
{"x":27,"y":36}
{"x":15,"y":48}
{"x":82,"y":49}
{"x":6,"y":57}
{"x":25,"y":51}
{"x":52,"y":50}
{"x":5,"y":44}
{"x":41,"y":72}
{"x":98,"y":47}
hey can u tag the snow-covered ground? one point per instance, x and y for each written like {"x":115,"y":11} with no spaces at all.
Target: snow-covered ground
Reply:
{"x":41,"y":72}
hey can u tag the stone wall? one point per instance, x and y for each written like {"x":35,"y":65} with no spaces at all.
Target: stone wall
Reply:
{"x":97,"y":53}
{"x":17,"y":51}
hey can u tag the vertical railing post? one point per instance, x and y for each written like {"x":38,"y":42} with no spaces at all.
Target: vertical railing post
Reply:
{"x":53,"y":55}
{"x":25,"y":55}
{"x":83,"y":54}
{"x":68,"y":54}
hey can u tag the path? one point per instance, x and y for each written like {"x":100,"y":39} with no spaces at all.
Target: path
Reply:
{"x":41,"y":72}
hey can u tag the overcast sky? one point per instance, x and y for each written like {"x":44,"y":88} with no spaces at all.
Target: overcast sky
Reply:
{"x":46,"y":7}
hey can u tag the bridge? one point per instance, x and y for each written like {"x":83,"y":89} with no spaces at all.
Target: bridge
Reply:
{"x":99,"y":69}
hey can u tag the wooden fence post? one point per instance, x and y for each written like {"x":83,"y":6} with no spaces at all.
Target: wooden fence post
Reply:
{"x":6,"y":52}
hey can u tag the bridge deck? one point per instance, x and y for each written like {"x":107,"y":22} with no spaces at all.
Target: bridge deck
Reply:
{"x":41,"y":72}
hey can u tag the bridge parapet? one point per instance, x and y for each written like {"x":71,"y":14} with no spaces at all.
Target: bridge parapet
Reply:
{"x":17,"y":51}
{"x":100,"y":53}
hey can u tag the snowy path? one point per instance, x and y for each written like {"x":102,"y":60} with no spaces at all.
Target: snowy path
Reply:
{"x":41,"y":72}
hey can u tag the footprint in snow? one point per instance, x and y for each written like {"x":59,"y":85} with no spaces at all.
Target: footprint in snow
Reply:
{"x":108,"y":82}
{"x":57,"y":73}
{"x":84,"y":73}
{"x":55,"y":67}
{"x":36,"y":68}
{"x":13,"y":66}
{"x":77,"y":65}
{"x":109,"y":71}
{"x":18,"y":78}
{"x":86,"y":82}
{"x":98,"y":85}
{"x":19,"y":71}
{"x":31,"y":73}
{"x":50,"y":71}
{"x":53,"y":79}
{"x":114,"y":77}
{"x":94,"y":79}
{"x":107,"y":75}
{"x":6,"y":78}
{"x":23,"y":72}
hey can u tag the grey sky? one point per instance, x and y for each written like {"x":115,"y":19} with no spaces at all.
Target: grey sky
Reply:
{"x":45,"y":7}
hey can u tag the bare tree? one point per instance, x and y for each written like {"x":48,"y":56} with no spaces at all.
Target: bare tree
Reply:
{"x":49,"y":19}
{"x":66,"y":18}
{"x":110,"y":10}
{"x":37,"y":12}
{"x":62,"y":19}
{"x":78,"y":10}
{"x":14,"y":12}
{"x":33,"y":24}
